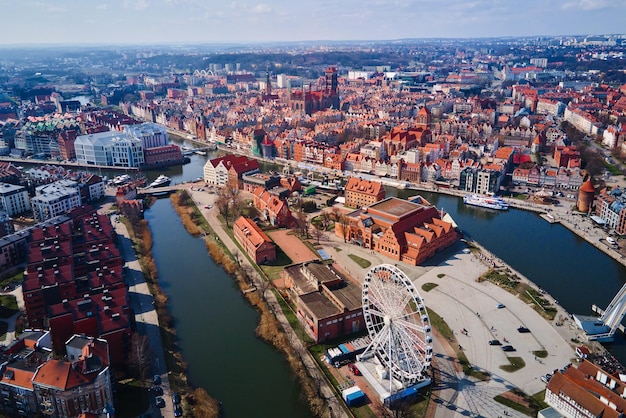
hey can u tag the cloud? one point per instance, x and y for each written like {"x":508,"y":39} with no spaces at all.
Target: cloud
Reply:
{"x":102,"y":6}
{"x":585,"y":5}
{"x":136,"y":4}
{"x":261,"y":9}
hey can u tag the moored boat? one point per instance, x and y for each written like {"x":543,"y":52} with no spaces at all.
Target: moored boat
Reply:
{"x":160,"y":181}
{"x":489,"y":202}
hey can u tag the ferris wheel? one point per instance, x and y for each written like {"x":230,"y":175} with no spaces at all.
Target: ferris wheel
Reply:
{"x":398,"y":325}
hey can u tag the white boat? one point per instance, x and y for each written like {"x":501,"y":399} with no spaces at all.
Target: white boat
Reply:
{"x":201,"y":152}
{"x":160,"y":181}
{"x":120,"y":180}
{"x":490,"y":202}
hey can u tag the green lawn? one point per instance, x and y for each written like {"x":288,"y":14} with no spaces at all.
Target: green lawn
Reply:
{"x":360,"y":261}
{"x":13,"y":279}
{"x":273,"y":270}
{"x":515,"y":363}
{"x":9,"y":306}
{"x":427,"y":287}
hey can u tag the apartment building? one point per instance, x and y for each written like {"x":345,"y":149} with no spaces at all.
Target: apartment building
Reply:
{"x":13,"y":199}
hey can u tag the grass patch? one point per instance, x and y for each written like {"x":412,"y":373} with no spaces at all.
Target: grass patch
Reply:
{"x":131,"y":400}
{"x":501,"y":279}
{"x":9,"y":306}
{"x":18,"y":278}
{"x":8,"y":301}
{"x":363,"y":263}
{"x":294,"y":323}
{"x":4,"y":327}
{"x":515,"y":364}
{"x":540,"y":303}
{"x":441,"y":275}
{"x":612,"y":169}
{"x":427,"y":287}
{"x":541,"y":353}
{"x":274,"y":269}
{"x":338,"y":249}
{"x":519,"y":401}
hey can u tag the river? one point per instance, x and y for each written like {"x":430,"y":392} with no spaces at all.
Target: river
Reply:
{"x":226,"y":359}
{"x":215,"y":325}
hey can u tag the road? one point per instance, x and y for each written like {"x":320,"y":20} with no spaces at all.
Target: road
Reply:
{"x":146,"y":317}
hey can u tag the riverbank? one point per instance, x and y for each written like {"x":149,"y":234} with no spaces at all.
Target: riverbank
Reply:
{"x":174,"y":376}
{"x":273,"y":327}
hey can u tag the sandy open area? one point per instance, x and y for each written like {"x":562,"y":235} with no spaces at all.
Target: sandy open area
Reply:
{"x":292,"y":246}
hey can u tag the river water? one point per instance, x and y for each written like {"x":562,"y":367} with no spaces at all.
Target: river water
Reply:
{"x":216,"y":326}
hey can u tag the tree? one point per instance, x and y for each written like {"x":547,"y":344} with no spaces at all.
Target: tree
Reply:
{"x":229,"y":203}
{"x":318,"y":231}
{"x":140,"y":356}
{"x":344,"y":222}
{"x":335,"y":214}
{"x":301,"y":219}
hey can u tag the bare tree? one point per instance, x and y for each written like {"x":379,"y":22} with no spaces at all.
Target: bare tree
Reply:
{"x":229,"y":203}
{"x":335,"y":214}
{"x":325,"y":220}
{"x":318,"y":231}
{"x":140,"y":356}
{"x":344,"y":222}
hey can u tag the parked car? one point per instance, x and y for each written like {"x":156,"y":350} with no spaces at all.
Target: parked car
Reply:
{"x":523,"y":330}
{"x":175,"y":398}
{"x":178,"y":411}
{"x":159,"y":402}
{"x":546,"y":377}
{"x":156,"y":379}
{"x":495,"y":342}
{"x":158,"y":390}
{"x":500,"y":305}
{"x":355,"y":371}
{"x":508,"y":348}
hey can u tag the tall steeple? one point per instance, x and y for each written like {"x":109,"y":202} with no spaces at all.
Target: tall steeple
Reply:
{"x":268,"y":82}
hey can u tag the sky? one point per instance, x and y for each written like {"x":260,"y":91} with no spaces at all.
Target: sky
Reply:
{"x":43,"y":22}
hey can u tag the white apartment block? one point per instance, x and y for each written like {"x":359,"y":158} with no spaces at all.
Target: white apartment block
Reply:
{"x":110,"y":148}
{"x":127,"y":152}
{"x":13,"y":199}
{"x":151,"y":135}
{"x":55,"y":199}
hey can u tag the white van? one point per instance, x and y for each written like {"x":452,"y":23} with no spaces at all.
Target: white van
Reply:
{"x":610,"y":241}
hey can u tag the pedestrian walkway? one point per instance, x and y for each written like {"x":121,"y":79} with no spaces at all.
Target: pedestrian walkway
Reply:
{"x":146,"y":317}
{"x":335,"y":405}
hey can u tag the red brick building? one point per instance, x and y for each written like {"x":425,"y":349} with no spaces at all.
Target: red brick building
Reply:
{"x":68,"y":261}
{"x":71,"y":388}
{"x":568,"y":157}
{"x":255,"y":242}
{"x":163,"y":155}
{"x":238,"y":169}
{"x":399,"y":229}
{"x":66,"y":144}
{"x":328,"y":305}
{"x":274,"y":210}
{"x":106,"y":315}
{"x":361,"y":193}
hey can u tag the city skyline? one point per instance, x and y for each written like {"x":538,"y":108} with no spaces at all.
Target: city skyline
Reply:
{"x":196,"y":21}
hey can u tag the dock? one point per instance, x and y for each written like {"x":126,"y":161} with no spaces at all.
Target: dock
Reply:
{"x":549,"y":218}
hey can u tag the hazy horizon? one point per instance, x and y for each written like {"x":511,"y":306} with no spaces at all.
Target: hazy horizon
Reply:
{"x":189,"y":22}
